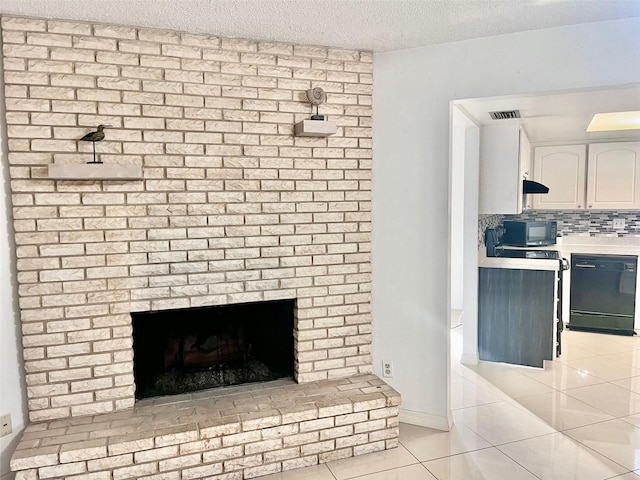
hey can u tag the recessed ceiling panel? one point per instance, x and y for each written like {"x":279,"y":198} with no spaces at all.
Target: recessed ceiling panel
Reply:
{"x":562,"y":116}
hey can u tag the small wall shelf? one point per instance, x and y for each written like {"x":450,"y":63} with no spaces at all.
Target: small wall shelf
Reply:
{"x":94,"y":171}
{"x":315,"y":128}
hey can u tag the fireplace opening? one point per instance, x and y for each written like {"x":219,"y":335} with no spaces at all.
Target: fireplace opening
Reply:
{"x":185,"y":350}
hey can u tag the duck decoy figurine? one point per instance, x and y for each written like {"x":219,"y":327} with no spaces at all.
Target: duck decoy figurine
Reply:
{"x":94,"y":137}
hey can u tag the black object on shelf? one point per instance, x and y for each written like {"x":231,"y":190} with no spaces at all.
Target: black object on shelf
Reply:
{"x":491,"y":241}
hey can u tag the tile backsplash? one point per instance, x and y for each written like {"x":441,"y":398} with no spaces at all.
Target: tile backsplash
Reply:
{"x":592,"y":223}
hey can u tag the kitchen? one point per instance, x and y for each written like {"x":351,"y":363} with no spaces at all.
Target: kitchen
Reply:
{"x":583,"y":232}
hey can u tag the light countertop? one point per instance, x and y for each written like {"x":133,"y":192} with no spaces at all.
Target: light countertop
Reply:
{"x":516,"y":263}
{"x":605,"y":245}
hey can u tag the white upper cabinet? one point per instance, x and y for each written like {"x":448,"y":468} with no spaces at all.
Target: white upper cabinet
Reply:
{"x":613,"y":178}
{"x":563,"y":170}
{"x":504,"y":157}
{"x":609,"y":180}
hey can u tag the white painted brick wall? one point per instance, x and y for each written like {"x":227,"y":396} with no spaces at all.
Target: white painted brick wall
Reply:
{"x":233,"y":208}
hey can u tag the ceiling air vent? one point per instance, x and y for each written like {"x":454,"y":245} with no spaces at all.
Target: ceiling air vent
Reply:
{"x":506,"y":115}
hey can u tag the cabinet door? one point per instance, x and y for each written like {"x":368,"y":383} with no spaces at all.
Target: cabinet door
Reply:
{"x":613,"y":180}
{"x":500,"y":181}
{"x":563,"y":170}
{"x":516,"y":316}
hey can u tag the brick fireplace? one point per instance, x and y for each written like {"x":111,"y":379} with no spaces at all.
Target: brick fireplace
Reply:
{"x":232,"y":207}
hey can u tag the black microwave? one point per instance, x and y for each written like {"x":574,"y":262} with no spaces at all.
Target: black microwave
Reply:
{"x":529,"y":234}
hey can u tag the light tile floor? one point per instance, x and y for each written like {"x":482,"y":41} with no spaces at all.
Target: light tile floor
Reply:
{"x":578,"y":419}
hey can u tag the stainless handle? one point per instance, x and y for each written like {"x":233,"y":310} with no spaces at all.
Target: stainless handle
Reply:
{"x":585,"y":265}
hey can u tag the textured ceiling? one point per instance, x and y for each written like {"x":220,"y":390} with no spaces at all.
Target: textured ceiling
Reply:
{"x":378,"y":25}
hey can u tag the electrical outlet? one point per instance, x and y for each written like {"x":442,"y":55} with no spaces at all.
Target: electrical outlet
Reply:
{"x":5,"y":425}
{"x":618,"y":223}
{"x":387,"y":368}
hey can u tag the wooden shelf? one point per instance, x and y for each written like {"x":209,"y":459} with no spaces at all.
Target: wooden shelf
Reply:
{"x":94,"y":171}
{"x":315,"y":128}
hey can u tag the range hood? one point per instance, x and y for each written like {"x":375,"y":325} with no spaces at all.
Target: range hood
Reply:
{"x":529,"y":186}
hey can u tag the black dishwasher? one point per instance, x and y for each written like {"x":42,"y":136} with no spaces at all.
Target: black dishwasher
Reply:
{"x":603,"y":293}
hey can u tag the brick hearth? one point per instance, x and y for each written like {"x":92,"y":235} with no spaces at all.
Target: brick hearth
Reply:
{"x":235,"y":432}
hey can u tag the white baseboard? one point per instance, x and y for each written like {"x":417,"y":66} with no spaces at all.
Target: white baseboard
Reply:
{"x":425,"y":420}
{"x":469,"y":359}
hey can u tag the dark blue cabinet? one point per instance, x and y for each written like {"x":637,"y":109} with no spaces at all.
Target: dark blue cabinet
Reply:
{"x":516,"y":315}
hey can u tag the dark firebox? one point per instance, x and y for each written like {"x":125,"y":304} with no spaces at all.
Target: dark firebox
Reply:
{"x":179,"y":351}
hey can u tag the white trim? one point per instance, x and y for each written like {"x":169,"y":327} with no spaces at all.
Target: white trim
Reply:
{"x":426,"y":420}
{"x":469,"y":359}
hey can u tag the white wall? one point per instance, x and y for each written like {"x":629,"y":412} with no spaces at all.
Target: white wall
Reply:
{"x":413,"y":90}
{"x":12,"y":387}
